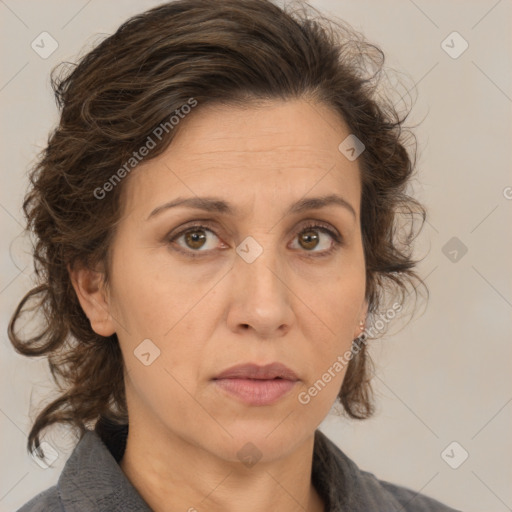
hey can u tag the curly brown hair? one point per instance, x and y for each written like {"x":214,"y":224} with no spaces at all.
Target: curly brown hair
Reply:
{"x":232,"y":52}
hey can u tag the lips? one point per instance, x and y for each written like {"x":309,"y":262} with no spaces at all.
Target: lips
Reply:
{"x":256,"y":372}
{"x":257,"y":385}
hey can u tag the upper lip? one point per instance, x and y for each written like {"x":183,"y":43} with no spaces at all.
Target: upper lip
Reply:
{"x":254,"y":371}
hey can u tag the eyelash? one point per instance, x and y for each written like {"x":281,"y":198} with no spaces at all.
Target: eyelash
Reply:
{"x":337,"y":239}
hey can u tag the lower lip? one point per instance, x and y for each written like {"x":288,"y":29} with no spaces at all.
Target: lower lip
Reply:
{"x":256,"y":392}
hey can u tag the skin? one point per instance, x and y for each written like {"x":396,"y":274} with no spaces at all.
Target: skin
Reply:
{"x":209,"y":313}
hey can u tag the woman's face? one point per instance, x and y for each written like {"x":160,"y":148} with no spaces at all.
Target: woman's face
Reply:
{"x":257,"y":284}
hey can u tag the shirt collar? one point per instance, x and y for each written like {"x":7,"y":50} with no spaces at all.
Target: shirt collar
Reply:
{"x":92,"y":479}
{"x":343,"y":486}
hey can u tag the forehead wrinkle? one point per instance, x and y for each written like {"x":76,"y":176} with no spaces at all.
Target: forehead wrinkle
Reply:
{"x":279,"y":148}
{"x":307,"y":159}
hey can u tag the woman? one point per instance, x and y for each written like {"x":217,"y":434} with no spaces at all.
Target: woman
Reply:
{"x":216,"y":217}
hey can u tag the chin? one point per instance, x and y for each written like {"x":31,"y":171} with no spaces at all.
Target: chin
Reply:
{"x":255,"y":440}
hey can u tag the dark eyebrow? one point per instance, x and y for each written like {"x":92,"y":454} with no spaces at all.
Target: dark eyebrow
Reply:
{"x":214,"y":204}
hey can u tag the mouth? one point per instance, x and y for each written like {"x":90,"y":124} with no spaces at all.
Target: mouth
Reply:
{"x":256,"y":372}
{"x":256,"y":391}
{"x":257,"y":385}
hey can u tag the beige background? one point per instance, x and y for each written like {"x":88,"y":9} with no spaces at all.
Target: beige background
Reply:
{"x":446,"y":376}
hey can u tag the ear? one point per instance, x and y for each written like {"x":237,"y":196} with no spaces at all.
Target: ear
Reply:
{"x":362,"y":316}
{"x":93,"y":297}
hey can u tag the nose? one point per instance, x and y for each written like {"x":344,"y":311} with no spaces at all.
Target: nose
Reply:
{"x":260,"y":293}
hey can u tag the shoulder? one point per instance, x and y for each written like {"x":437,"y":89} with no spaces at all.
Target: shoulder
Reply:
{"x":347,"y":487}
{"x":409,"y":500}
{"x":46,"y":501}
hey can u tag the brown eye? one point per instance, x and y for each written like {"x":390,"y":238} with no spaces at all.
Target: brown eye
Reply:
{"x":195,"y":239}
{"x":309,"y":239}
{"x":312,"y":236}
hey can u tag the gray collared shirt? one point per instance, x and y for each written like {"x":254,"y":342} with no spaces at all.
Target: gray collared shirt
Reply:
{"x":92,"y":480}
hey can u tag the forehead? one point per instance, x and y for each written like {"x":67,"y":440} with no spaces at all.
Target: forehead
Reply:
{"x":276,"y":133}
{"x":266,"y":151}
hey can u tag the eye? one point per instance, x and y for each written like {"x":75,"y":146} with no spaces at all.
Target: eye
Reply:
{"x":310,"y":238}
{"x":194,"y":240}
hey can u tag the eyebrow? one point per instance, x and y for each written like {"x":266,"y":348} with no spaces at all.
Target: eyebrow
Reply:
{"x":218,"y":205}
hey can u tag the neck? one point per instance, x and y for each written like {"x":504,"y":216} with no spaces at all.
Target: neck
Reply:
{"x":168,"y":471}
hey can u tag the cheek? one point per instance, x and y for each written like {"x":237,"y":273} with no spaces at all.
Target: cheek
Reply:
{"x":328,"y":323}
{"x":151,"y":299}
{"x":333,"y":309}
{"x":316,"y":398}
{"x":161,"y":391}
{"x":159,"y":350}
{"x":160,"y":311}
